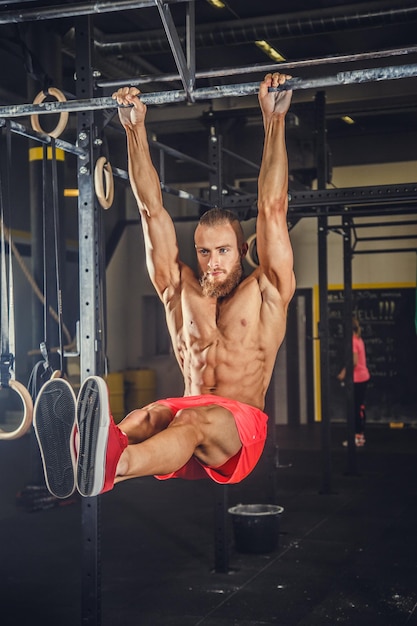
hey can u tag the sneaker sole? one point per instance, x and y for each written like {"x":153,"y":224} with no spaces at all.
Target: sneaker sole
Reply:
{"x":54,"y":424}
{"x":93,"y":420}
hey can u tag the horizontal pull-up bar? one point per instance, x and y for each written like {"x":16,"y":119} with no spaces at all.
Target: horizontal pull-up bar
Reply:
{"x":218,"y":91}
{"x":261,"y":68}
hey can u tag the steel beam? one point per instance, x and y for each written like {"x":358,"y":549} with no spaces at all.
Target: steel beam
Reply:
{"x":19,"y":129}
{"x":75,"y":10}
{"x":91,"y":318}
{"x":261,"y":67}
{"x":187,"y":78}
{"x":218,"y":91}
{"x":354,"y":196}
{"x":352,"y":466}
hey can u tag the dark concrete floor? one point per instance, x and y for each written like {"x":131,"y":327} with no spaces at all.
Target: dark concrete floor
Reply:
{"x":347,"y":556}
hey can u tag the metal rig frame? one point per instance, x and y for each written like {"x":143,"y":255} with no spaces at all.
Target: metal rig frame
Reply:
{"x":323,"y":203}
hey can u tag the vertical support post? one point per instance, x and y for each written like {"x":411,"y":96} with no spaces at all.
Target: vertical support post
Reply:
{"x":216,"y":160}
{"x":190,"y":40}
{"x":221,"y":552}
{"x":348,"y":310}
{"x":90,"y":274}
{"x":321,"y":151}
{"x":271,"y":451}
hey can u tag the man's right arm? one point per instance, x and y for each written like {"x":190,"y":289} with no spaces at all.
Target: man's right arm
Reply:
{"x":161,"y":246}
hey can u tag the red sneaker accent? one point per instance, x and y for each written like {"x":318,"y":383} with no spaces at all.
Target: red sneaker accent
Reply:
{"x":116,"y":443}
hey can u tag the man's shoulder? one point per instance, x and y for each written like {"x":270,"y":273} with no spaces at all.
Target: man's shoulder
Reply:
{"x":189,"y":278}
{"x":188,"y":283}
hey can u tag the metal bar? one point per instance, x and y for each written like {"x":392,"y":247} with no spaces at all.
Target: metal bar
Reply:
{"x":348,"y":354}
{"x":241,"y":159}
{"x":221,"y":543}
{"x":217,"y":91}
{"x":383,"y":224}
{"x":89,"y":279}
{"x":74,"y":10}
{"x":261,"y":67}
{"x":354,"y":77}
{"x":322,"y":170}
{"x":385,"y":250}
{"x":176,"y":49}
{"x":190,"y":40}
{"x":347,"y":196}
{"x":275,"y":27}
{"x":386,"y":238}
{"x":216,"y":177}
{"x":180,"y":193}
{"x":89,"y":104}
{"x":19,"y":129}
{"x":180,"y":155}
{"x":360,"y":211}
{"x":15,"y":1}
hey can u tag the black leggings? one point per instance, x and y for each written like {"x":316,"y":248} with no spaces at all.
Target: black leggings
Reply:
{"x":359,"y":390}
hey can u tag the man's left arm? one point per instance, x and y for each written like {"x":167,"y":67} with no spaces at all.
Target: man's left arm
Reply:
{"x":272,"y":238}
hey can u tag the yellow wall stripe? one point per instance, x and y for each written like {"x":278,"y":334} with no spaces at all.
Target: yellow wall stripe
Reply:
{"x":36,"y":154}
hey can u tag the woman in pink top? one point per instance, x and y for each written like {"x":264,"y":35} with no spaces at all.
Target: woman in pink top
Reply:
{"x":360,"y":379}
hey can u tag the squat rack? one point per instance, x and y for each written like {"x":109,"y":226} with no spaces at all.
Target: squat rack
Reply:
{"x":320,"y":203}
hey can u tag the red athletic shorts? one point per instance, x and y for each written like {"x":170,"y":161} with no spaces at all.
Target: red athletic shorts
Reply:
{"x":251,"y":426}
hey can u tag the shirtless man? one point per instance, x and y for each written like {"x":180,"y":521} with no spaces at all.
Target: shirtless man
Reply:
{"x":225,"y":328}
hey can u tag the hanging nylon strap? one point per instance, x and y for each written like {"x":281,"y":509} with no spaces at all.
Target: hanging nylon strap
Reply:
{"x":57,"y":235}
{"x":7,"y":326}
{"x":46,"y":374}
{"x":7,"y":300}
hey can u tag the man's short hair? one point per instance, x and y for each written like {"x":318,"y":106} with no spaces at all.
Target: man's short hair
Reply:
{"x":216,"y":216}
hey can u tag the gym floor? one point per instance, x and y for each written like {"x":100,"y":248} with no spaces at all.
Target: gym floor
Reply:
{"x":347,"y":555}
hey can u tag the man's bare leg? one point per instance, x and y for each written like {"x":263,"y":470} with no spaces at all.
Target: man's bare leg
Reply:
{"x":208,"y":433}
{"x":140,"y":424}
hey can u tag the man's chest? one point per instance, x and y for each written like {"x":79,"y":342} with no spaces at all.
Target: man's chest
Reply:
{"x":209,"y":320}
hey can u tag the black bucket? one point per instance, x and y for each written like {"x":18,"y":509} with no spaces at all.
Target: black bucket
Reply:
{"x":256,"y":527}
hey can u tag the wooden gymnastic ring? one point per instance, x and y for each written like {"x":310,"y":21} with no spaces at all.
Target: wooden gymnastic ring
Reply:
{"x":104,"y":196}
{"x":27,"y":412}
{"x":63,"y":116}
{"x":249,"y":256}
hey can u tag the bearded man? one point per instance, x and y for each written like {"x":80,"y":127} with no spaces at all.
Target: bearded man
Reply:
{"x":225,"y":328}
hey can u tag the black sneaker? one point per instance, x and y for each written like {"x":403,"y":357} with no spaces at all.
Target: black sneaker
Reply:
{"x":101,"y":441}
{"x":54,"y":424}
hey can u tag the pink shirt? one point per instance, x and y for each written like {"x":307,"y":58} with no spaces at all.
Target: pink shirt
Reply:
{"x":360,"y":371}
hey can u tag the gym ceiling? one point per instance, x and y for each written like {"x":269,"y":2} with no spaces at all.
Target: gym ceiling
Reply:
{"x":370,"y":122}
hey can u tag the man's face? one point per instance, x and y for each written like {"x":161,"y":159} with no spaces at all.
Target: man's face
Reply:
{"x":219,"y":259}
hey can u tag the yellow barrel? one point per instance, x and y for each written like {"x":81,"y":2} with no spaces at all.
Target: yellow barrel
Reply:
{"x":140,"y":388}
{"x":115,"y":384}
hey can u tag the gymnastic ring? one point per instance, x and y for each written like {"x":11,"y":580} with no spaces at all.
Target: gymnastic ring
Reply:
{"x":104,"y":196}
{"x":63,"y":116}
{"x":27,"y":404}
{"x":251,"y":247}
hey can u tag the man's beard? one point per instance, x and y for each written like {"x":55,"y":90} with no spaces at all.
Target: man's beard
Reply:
{"x":222,"y":289}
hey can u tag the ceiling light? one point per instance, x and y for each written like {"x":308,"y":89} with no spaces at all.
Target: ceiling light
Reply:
{"x":269,"y":50}
{"x":348,"y":119}
{"x":217,"y":3}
